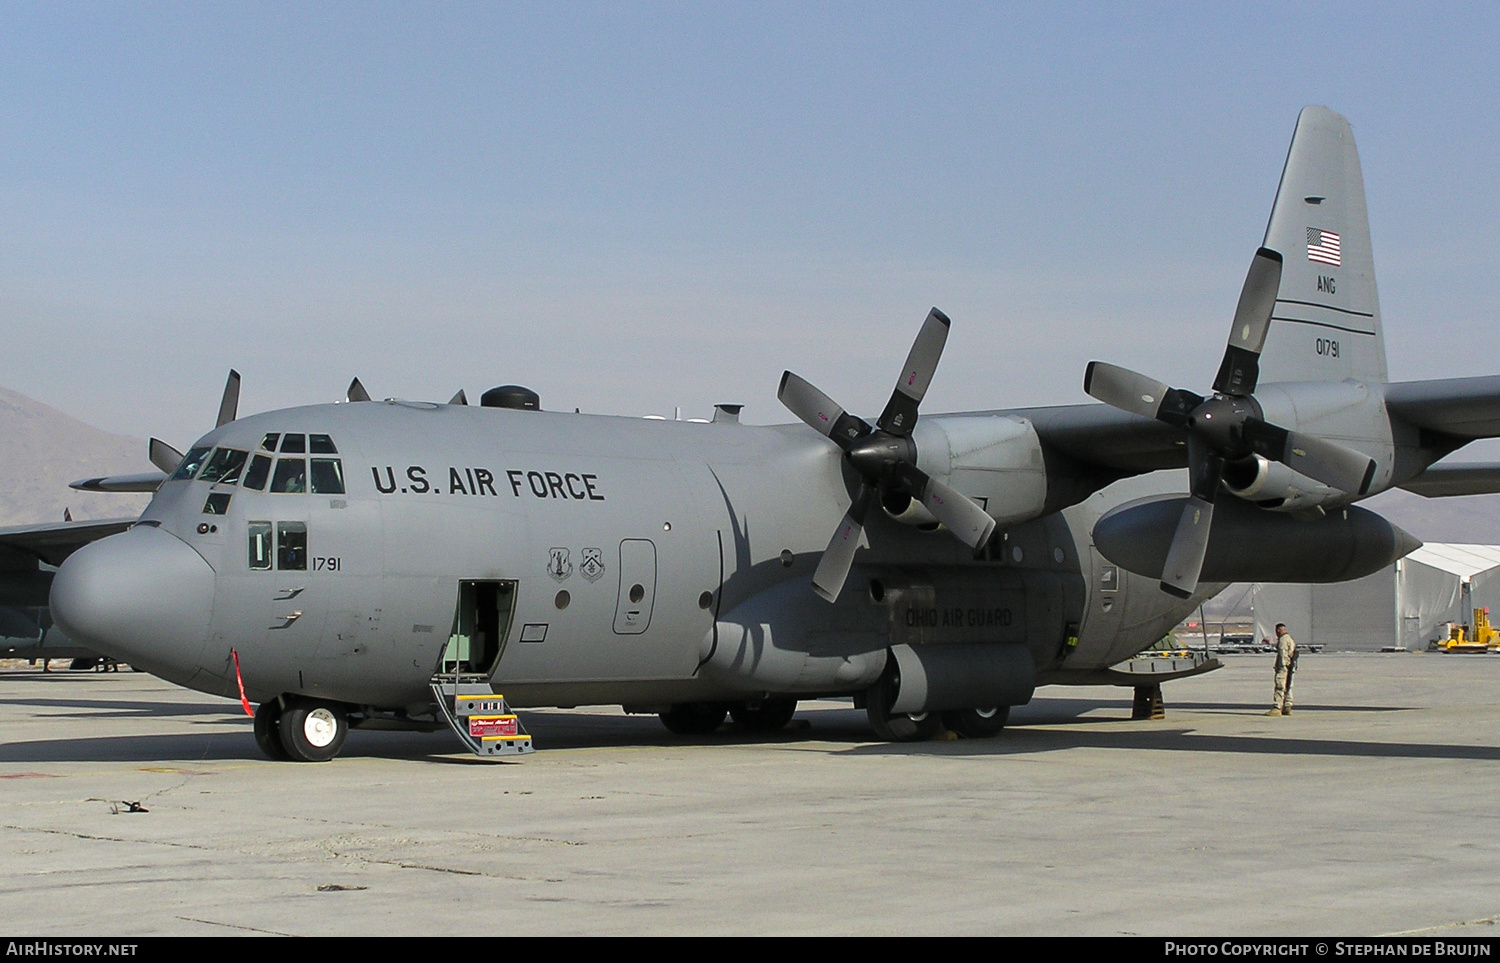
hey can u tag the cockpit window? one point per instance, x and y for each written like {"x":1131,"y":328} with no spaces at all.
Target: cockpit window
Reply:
{"x":291,"y":546}
{"x":268,"y":443}
{"x":191,"y":462}
{"x":327,"y":476}
{"x":291,"y":475}
{"x":321,"y":445}
{"x":260,"y":468}
{"x":293,"y":444}
{"x":260,"y":545}
{"x":224,"y":466}
{"x":217,"y":504}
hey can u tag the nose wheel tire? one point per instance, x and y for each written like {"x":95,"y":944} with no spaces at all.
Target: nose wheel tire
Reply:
{"x":268,"y":731}
{"x":768,"y":715}
{"x":694,"y":718}
{"x":313,"y":731}
{"x":977,"y":723}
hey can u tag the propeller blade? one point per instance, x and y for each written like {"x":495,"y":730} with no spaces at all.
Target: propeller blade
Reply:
{"x":1124,"y":389}
{"x":1137,"y":394}
{"x":229,"y":405}
{"x":1179,"y":576}
{"x":900,"y":413}
{"x":962,"y":515}
{"x":163,"y":455}
{"x":458,"y":399}
{"x":820,"y":412}
{"x":357,"y":392}
{"x":833,"y":567}
{"x":1329,"y":462}
{"x":1240,"y":369}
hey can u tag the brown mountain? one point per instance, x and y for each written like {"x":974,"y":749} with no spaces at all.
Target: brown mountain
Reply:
{"x":42,"y":449}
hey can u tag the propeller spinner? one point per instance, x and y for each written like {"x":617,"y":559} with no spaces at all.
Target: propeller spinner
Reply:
{"x":884,"y":456}
{"x":1228,"y":426}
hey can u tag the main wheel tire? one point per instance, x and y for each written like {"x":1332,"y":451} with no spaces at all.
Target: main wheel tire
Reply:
{"x":768,"y":715}
{"x":977,"y":723}
{"x":694,"y":718}
{"x":898,"y":727}
{"x":268,"y":731}
{"x":312,"y":730}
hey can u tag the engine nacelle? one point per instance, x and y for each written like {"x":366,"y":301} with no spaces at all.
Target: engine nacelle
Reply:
{"x":1274,"y":486}
{"x":994,"y":459}
{"x":1249,"y":544}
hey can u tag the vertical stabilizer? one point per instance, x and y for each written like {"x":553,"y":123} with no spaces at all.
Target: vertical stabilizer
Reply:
{"x":1326,"y":324}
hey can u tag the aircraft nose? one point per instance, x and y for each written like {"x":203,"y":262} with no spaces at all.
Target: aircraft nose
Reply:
{"x":142,"y":596}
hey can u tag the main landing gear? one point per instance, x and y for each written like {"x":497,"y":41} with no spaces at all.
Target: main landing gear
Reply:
{"x":921,"y":726}
{"x":300,"y":729}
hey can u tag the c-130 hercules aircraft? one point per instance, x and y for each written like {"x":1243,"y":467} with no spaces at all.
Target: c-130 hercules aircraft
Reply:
{"x":336,"y":557}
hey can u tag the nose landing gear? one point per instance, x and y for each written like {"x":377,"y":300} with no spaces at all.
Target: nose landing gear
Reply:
{"x":299,"y":729}
{"x":268,"y":731}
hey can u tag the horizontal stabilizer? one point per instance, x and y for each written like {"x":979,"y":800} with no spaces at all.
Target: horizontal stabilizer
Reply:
{"x":1463,"y":407}
{"x":1442,"y":481}
{"x":148,"y":481}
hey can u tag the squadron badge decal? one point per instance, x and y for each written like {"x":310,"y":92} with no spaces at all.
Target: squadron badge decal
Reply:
{"x":591,"y":566}
{"x":559,"y":565}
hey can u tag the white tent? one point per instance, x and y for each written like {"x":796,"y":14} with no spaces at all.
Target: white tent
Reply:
{"x":1404,"y":604}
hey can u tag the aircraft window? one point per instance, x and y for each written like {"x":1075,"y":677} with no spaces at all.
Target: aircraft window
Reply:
{"x":293,"y":444}
{"x":224,"y":466}
{"x":321,"y":445}
{"x":327,"y":476}
{"x":291,"y":546}
{"x":218,"y":503}
{"x":260,"y":546}
{"x":260,"y":467}
{"x":191,"y":462}
{"x":268,"y":443}
{"x":291,"y":475}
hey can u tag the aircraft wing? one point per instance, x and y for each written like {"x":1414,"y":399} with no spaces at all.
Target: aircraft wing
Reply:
{"x":1464,"y":408}
{"x":1108,"y":439}
{"x":55,"y":541}
{"x":1119,"y":443}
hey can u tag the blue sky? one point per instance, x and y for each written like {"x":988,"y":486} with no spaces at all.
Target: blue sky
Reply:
{"x":633,"y":207}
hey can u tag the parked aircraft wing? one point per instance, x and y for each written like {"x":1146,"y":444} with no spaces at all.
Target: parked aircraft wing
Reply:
{"x":1107,"y":438}
{"x":53,"y":542}
{"x":1462,"y":407}
{"x":1441,"y":481}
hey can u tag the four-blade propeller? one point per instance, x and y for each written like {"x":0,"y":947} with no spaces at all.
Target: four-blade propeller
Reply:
{"x":884,"y":457}
{"x":1228,"y":426}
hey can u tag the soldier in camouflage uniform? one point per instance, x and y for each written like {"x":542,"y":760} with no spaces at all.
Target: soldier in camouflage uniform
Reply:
{"x":1286,"y":667}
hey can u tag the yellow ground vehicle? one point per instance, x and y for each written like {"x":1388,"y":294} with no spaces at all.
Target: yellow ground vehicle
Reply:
{"x":1479,"y":637}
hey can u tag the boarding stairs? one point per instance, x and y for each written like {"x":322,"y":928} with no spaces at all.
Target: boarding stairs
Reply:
{"x":479,"y":716}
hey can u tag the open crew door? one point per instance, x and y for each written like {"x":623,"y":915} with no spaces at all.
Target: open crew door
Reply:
{"x":481,"y":625}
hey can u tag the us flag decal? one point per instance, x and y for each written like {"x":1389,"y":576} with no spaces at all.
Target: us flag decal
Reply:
{"x":1323,"y":247}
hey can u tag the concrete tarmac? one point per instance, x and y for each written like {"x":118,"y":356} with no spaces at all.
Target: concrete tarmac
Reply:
{"x":1369,"y":811}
